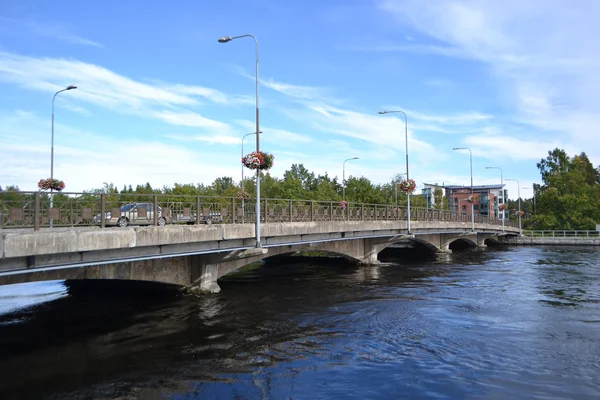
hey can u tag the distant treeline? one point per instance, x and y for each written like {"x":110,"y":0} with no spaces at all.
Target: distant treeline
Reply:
{"x":297,"y":183}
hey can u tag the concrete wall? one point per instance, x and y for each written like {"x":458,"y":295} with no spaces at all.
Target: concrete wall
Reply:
{"x":174,"y":238}
{"x":169,"y":270}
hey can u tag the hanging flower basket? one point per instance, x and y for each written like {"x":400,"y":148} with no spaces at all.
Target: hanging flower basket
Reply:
{"x":408,"y":185}
{"x":503,"y":207}
{"x":343,"y":204}
{"x":258,"y":160}
{"x":520,"y":213}
{"x":51,"y":184}
{"x":242,"y":195}
{"x":473,"y":198}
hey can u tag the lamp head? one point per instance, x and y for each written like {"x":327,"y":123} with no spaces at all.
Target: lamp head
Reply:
{"x":382,"y":112}
{"x":456,"y":148}
{"x":225,"y":39}
{"x":355,"y":158}
{"x":70,"y":87}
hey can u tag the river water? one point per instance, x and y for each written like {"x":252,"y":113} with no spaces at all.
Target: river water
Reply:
{"x":503,"y":323}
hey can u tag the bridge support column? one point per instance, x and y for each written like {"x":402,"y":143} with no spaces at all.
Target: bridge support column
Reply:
{"x":207,"y":268}
{"x":482,"y":237}
{"x":205,"y":272}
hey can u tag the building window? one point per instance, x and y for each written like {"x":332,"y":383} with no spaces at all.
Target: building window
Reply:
{"x":464,"y":209}
{"x":475,"y":206}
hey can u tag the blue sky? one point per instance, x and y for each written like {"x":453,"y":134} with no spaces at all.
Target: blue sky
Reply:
{"x":159,"y":100}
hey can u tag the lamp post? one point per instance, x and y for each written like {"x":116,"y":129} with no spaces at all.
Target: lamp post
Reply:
{"x":242,"y":183}
{"x":501,"y":191}
{"x":70,"y":87}
{"x":518,"y":194}
{"x":471,"y":168}
{"x":344,"y":176}
{"x":226,"y":39}
{"x":406,"y":150}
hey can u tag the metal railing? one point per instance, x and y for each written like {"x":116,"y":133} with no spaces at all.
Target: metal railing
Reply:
{"x":561,"y":234}
{"x":32,"y":210}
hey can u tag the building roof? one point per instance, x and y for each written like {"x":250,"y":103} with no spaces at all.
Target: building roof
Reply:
{"x":475,"y":187}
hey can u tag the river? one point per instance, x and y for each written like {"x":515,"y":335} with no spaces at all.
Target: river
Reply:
{"x":501,"y":323}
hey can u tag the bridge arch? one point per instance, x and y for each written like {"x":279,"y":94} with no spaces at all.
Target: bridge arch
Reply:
{"x":462,"y":243}
{"x":424,"y":243}
{"x":492,"y":240}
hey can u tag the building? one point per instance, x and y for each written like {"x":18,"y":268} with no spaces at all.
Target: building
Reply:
{"x":490,"y":198}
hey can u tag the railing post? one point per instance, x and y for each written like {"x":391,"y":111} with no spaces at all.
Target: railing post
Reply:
{"x":233,"y":210}
{"x":331,"y":210}
{"x":291,"y":212}
{"x":265,"y":210}
{"x":36,"y":218}
{"x":375,"y":212}
{"x":312,"y":211}
{"x":102,"y":210}
{"x":362,"y":211}
{"x":198,"y":205}
{"x":155,"y":213}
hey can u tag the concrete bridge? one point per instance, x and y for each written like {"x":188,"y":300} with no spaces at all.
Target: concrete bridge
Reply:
{"x":199,"y":255}
{"x":72,"y":239}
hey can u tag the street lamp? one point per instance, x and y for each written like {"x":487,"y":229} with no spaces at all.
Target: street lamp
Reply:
{"x":242,"y":183}
{"x":226,"y":39}
{"x":407,"y":176}
{"x":501,"y":191}
{"x":471,"y":167}
{"x":344,"y":176}
{"x":70,"y":87}
{"x":518,"y":194}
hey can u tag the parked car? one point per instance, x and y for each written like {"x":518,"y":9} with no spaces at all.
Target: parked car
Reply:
{"x":133,"y":214}
{"x":212,"y":216}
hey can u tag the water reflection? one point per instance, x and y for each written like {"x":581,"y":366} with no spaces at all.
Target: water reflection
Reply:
{"x":468,"y":325}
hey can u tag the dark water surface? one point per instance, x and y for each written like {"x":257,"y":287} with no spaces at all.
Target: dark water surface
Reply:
{"x":514,"y":323}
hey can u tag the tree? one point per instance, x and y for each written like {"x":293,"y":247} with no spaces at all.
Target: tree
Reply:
{"x":438,"y":197}
{"x":569,"y":196}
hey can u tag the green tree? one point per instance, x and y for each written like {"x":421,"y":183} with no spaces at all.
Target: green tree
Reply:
{"x":570,"y":193}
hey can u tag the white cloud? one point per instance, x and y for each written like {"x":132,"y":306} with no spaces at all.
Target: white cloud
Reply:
{"x":49,"y":29}
{"x":541,"y":52}
{"x":25,"y":158}
{"x":275,"y":135}
{"x":104,"y":88}
{"x":190,"y":119}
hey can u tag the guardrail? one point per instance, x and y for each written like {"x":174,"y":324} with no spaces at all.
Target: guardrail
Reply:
{"x":32,"y":210}
{"x":562,"y":234}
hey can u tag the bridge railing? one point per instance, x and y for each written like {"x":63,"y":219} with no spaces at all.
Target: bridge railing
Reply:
{"x":33,"y":210}
{"x":562,"y":234}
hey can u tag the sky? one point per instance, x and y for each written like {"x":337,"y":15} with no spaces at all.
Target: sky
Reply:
{"x":159,"y":100}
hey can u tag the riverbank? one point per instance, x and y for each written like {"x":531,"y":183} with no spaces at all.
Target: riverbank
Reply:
{"x":552,"y":241}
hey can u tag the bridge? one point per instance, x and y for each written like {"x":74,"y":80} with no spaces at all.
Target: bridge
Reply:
{"x":196,"y":240}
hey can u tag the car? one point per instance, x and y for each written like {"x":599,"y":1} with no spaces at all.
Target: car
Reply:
{"x":132,"y":214}
{"x":208,"y":219}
